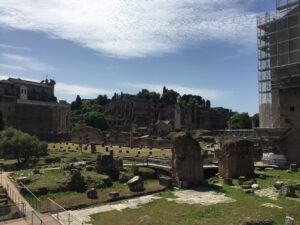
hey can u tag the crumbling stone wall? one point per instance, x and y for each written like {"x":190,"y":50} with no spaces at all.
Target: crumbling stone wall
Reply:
{"x":236,"y":159}
{"x":187,"y":163}
{"x":105,"y":163}
{"x":87,"y":135}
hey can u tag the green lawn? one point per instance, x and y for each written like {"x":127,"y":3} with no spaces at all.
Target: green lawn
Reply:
{"x":247,"y":206}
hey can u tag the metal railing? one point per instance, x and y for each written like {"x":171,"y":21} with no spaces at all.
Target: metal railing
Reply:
{"x":12,"y":211}
{"x":33,"y":200}
{"x":36,"y":219}
{"x":62,"y":215}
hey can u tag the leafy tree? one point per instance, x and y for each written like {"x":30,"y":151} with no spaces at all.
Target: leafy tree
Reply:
{"x":102,"y":100}
{"x":207,"y":103}
{"x":76,"y":126}
{"x":96,"y":119}
{"x":169,"y":97}
{"x":91,"y":107}
{"x":191,"y":100}
{"x":240,"y":121}
{"x":21,"y":146}
{"x":255,"y":117}
{"x":145,"y":94}
{"x":1,"y":121}
{"x":77,"y":103}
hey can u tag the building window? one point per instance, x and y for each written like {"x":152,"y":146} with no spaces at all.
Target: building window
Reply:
{"x":292,"y":108}
{"x":287,"y":121}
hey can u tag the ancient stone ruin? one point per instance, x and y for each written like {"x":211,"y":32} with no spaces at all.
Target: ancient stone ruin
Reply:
{"x":76,"y":181}
{"x":105,"y":163}
{"x":236,"y":159}
{"x":187,"y":163}
{"x":136,"y":184}
{"x":109,"y":165}
{"x":92,"y":193}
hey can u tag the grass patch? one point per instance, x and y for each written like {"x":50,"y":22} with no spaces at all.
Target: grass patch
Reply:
{"x":247,"y":206}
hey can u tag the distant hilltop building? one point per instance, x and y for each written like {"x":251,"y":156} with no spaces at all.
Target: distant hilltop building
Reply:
{"x":32,"y":107}
{"x":279,"y":76}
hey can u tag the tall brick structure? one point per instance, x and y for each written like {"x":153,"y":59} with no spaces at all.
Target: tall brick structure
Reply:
{"x":187,"y":163}
{"x":236,"y":159}
{"x":33,"y":108}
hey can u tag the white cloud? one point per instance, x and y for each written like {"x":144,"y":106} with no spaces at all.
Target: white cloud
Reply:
{"x":134,"y":28}
{"x":13,"y":47}
{"x":20,"y":62}
{"x":72,"y":89}
{"x":10,"y":67}
{"x":211,"y":94}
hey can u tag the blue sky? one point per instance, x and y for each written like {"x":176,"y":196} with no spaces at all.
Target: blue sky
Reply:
{"x":205,"y":47}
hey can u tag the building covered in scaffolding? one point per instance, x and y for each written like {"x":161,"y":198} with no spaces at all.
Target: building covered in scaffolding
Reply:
{"x":279,"y":73}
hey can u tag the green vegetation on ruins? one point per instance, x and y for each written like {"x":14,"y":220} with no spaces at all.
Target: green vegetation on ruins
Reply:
{"x":56,"y":183}
{"x":90,"y":112}
{"x":54,"y":169}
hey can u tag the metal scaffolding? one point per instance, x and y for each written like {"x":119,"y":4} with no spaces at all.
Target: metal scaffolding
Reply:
{"x":278,"y":35}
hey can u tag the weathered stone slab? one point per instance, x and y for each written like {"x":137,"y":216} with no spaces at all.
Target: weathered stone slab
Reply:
{"x":136,"y":184}
{"x":288,"y":221}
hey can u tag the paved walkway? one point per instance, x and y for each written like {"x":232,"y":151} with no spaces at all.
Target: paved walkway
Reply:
{"x":14,"y":222}
{"x":14,"y":193}
{"x":23,"y":206}
{"x":85,"y":214}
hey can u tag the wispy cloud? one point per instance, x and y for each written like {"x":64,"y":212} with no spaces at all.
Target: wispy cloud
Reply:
{"x":135,"y":28}
{"x":10,"y":67}
{"x":72,"y":89}
{"x":211,"y":94}
{"x":13,"y":47}
{"x":20,"y":62}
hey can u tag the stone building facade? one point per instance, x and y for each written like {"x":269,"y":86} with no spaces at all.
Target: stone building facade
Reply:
{"x":126,"y":113}
{"x":135,"y":112}
{"x":33,"y":108}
